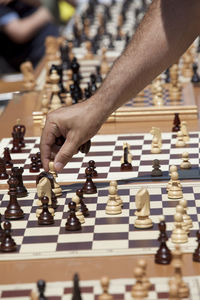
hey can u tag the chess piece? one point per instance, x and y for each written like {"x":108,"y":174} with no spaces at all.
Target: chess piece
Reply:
{"x":177,"y":263}
{"x":175,"y":190}
{"x":195,"y":77}
{"x":34,"y":166}
{"x":29,"y":82}
{"x":89,"y":187}
{"x":196,"y":254}
{"x":21,"y":190}
{"x":16,"y":143}
{"x":73,"y":223}
{"x":68,"y":100}
{"x":55,"y":98}
{"x":113,"y":207}
{"x":179,"y":235}
{"x":176,"y":123}
{"x":7,"y":158}
{"x":156,"y":132}
{"x":41,"y":285}
{"x":13,"y":210}
{"x":139,"y":292}
{"x":44,"y":104}
{"x":117,"y":197}
{"x":39,"y":162}
{"x":56,"y":189}
{"x":186,"y":217}
{"x":185,"y":164}
{"x":155,"y":149}
{"x":45,"y":218}
{"x":91,"y":164}
{"x":76,"y":289}
{"x":175,"y":89}
{"x":141,"y":263}
{"x":156,"y":172}
{"x":172,"y":168}
{"x":180,"y":209}
{"x":105,"y":285}
{"x":1,"y":230}
{"x":79,"y":213}
{"x":126,"y":158}
{"x":163,"y":256}
{"x":33,"y":296}
{"x":83,"y":207}
{"x":142,"y":202}
{"x":3,"y":173}
{"x":184,"y":131}
{"x":180,"y":142}
{"x":173,"y":290}
{"x":7,"y":244}
{"x":19,"y":131}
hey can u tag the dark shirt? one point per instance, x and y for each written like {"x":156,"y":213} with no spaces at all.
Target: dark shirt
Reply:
{"x":32,"y":50}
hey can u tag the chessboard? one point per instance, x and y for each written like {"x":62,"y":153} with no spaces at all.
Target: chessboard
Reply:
{"x":107,"y":150}
{"x":90,"y":289}
{"x":101,"y":234}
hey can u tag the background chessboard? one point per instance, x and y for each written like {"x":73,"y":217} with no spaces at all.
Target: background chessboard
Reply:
{"x":120,"y":289}
{"x":107,"y":150}
{"x":101,"y":234}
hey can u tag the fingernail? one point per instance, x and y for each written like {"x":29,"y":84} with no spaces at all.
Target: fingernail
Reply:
{"x":59,"y":167}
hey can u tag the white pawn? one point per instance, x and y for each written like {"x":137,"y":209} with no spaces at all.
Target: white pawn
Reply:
{"x":180,"y":142}
{"x":186,"y":164}
{"x":186,"y":217}
{"x":139,"y":292}
{"x":57,"y":189}
{"x":117,"y":198}
{"x":184,"y":130}
{"x":155,"y":149}
{"x":172,"y":168}
{"x":143,"y":265}
{"x":179,"y":235}
{"x":105,"y":285}
{"x":68,"y":100}
{"x":180,"y":209}
{"x":175,"y":190}
{"x":79,"y":213}
{"x":113,"y":207}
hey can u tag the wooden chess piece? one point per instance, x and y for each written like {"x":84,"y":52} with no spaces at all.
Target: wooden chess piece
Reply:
{"x":155,"y":149}
{"x":105,"y":285}
{"x":184,"y":131}
{"x":185,"y":164}
{"x":142,"y":202}
{"x":13,"y":210}
{"x":186,"y":218}
{"x":44,"y":104}
{"x":20,"y":131}
{"x":21,"y":189}
{"x":68,"y":100}
{"x":180,"y":142}
{"x":56,"y":189}
{"x":156,"y":172}
{"x":176,"y":123}
{"x":33,"y":296}
{"x":3,"y":172}
{"x":91,"y":164}
{"x":156,"y":132}
{"x":83,"y":207}
{"x":76,"y":294}
{"x":196,"y":254}
{"x":45,"y":218}
{"x":117,"y":197}
{"x":79,"y":213}
{"x":8,"y":244}
{"x":179,"y":235}
{"x":73,"y":223}
{"x":139,"y":292}
{"x":41,"y":285}
{"x":44,"y":183}
{"x":180,"y":209}
{"x":172,"y":168}
{"x":34,"y":166}
{"x":55,"y":99}
{"x":7,"y":158}
{"x":29,"y":82}
{"x":126,"y":158}
{"x":175,"y":190}
{"x":173,"y":290}
{"x":89,"y":187}
{"x":163,"y":256}
{"x":141,"y":263}
{"x":113,"y":207}
{"x":39,"y":162}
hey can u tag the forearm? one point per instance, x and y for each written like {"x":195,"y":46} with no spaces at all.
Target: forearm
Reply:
{"x":167,"y":30}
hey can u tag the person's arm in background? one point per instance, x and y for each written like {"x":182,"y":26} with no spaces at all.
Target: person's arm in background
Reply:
{"x":167,"y":30}
{"x":22,"y":30}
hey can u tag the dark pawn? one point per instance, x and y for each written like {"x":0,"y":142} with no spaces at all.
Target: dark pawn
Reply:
{"x":41,"y":285}
{"x":98,"y":74}
{"x":3,"y":173}
{"x":196,"y":254}
{"x":163,"y":256}
{"x":83,"y":207}
{"x":21,"y":190}
{"x":54,"y":201}
{"x":126,"y":166}
{"x":16,"y":143}
{"x":39,"y":162}
{"x":13,"y":211}
{"x":1,"y":230}
{"x":73,"y":223}
{"x":156,"y":172}
{"x":91,"y":164}
{"x":167,"y":76}
{"x":76,"y":289}
{"x":195,"y":77}
{"x":45,"y":218}
{"x":89,"y":186}
{"x":34,"y":166}
{"x":176,"y":123}
{"x":7,"y":158}
{"x":7,"y":244}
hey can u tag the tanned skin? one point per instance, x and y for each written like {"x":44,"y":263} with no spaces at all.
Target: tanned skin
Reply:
{"x":167,"y":30}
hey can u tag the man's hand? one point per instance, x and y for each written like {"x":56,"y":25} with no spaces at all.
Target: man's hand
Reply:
{"x":77,"y":123}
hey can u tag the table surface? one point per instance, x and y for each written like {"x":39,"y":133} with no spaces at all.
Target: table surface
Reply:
{"x":89,"y":267}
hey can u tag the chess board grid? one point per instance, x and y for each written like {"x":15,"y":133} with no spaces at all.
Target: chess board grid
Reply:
{"x":120,"y":289}
{"x":107,"y":150}
{"x":101,"y":234}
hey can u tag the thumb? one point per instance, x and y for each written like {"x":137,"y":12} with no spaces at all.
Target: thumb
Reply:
{"x":64,"y":155}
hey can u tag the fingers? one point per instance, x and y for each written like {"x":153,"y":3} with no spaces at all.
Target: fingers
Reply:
{"x":66,"y":152}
